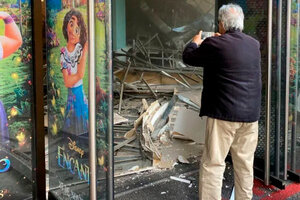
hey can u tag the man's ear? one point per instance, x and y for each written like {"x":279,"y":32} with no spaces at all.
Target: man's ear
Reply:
{"x":221,"y":27}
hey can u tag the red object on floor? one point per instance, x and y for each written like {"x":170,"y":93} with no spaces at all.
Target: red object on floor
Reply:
{"x":260,"y":189}
{"x":289,"y":191}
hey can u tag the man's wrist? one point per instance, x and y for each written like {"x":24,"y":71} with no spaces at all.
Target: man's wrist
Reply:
{"x":195,"y":43}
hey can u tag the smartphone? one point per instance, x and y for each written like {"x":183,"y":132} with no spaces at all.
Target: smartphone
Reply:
{"x":207,"y":34}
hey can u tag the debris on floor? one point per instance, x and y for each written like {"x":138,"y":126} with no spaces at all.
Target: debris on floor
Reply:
{"x":157,"y":103}
{"x":164,"y":132}
{"x":180,"y":179}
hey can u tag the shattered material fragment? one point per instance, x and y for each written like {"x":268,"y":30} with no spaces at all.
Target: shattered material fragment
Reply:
{"x":182,"y":159}
{"x":180,"y":179}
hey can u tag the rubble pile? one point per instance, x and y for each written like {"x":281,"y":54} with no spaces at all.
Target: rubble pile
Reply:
{"x":157,"y":103}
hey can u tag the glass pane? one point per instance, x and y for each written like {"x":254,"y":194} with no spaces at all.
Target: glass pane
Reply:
{"x":16,"y":100}
{"x":67,"y":50}
{"x":294,"y":99}
{"x":68,"y":149}
{"x":103,"y":96}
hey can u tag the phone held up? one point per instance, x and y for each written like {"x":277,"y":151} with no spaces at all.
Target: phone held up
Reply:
{"x":206,"y":34}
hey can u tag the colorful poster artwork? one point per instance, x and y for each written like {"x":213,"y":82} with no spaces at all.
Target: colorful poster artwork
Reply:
{"x":15,"y":74}
{"x":5,"y":165}
{"x":67,"y":51}
{"x":16,"y":124}
{"x":68,"y":116}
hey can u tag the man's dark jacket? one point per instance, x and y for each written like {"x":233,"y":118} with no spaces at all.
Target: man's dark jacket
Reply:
{"x":232,"y":76}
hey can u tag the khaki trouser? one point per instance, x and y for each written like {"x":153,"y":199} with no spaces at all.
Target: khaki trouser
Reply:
{"x":221,"y":136}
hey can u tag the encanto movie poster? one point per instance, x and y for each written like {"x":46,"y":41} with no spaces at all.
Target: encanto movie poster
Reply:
{"x":68,"y":115}
{"x":16,"y":98}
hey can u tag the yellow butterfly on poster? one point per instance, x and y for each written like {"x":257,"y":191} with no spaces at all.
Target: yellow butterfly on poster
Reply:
{"x":101,"y":160}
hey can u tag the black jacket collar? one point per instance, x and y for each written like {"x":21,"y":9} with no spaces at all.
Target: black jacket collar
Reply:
{"x":233,"y":31}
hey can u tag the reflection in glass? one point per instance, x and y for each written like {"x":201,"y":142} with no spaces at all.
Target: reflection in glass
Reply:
{"x":174,"y":28}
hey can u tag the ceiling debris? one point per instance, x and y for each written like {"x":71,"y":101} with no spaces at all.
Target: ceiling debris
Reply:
{"x":156,"y":104}
{"x":160,"y":132}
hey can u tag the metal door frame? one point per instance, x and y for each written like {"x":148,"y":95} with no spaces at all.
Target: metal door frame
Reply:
{"x":268,"y":178}
{"x":92,"y":103}
{"x":38,"y":134}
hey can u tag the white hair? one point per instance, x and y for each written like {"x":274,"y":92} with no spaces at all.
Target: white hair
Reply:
{"x":232,"y":17}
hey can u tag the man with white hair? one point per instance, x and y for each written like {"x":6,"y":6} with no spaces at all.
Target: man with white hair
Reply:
{"x":231,"y":100}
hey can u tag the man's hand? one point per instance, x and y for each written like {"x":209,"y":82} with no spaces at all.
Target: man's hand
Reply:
{"x":197,"y":38}
{"x":217,"y":34}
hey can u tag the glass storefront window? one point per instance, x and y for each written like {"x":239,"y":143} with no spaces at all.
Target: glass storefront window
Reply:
{"x":68,"y":93}
{"x":158,"y":36}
